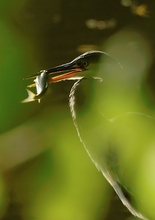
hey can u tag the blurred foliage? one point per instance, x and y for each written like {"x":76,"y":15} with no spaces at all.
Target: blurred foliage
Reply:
{"x":45,"y":171}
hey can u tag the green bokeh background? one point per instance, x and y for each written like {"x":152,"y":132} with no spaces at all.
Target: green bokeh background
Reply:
{"x":45,"y":170}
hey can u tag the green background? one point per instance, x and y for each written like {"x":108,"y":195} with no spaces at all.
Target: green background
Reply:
{"x":45,"y":172}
